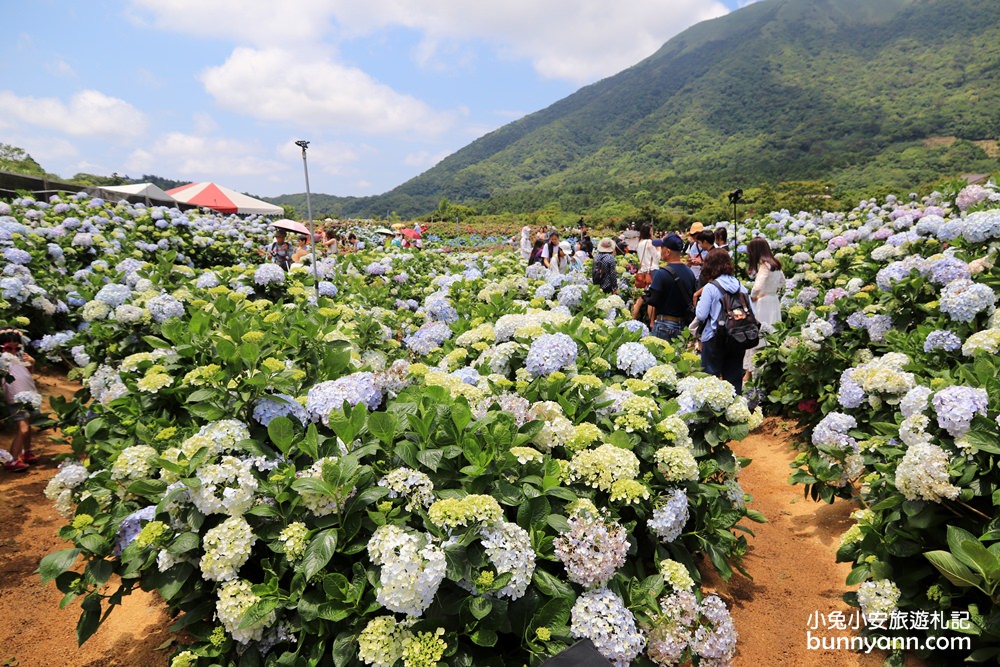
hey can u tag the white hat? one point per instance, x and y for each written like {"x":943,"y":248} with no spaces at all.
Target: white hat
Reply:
{"x":566,"y":247}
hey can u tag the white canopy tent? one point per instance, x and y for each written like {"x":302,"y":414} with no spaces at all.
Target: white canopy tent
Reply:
{"x":147,"y":192}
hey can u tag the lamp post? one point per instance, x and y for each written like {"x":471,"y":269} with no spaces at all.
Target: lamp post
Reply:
{"x":301,"y":143}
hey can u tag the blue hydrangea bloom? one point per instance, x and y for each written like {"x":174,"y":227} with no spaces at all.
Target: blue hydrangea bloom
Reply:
{"x":550,"y":353}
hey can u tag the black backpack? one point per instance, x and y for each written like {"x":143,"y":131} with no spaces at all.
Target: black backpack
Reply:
{"x":737,"y":328}
{"x":597,"y":273}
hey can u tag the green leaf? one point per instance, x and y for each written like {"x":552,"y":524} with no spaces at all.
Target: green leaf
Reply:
{"x":184,"y":543}
{"x":90,"y":619}
{"x":258,"y":612}
{"x":953,"y":569}
{"x":147,"y":488}
{"x":319,"y":552}
{"x":484,"y":637}
{"x":551,"y":586}
{"x":344,"y":649}
{"x":56,"y":563}
{"x":480,"y":607}
{"x":200,"y":395}
{"x":431,"y":458}
{"x":155,"y":342}
{"x":383,"y":425}
{"x":282,"y":433}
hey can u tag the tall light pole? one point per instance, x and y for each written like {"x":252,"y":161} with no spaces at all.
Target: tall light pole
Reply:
{"x":301,"y":143}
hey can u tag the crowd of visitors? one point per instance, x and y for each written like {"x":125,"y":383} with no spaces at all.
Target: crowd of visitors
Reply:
{"x":687,"y":281}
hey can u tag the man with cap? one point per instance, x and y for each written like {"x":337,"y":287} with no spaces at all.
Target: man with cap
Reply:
{"x":669,"y":297}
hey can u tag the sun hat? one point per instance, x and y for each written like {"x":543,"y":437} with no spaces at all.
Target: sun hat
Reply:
{"x":696,"y":227}
{"x":672,"y":241}
{"x":566,"y":247}
{"x":606,"y":245}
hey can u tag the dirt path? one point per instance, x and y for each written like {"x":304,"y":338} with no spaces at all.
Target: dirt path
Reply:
{"x":792,"y":561}
{"x":34,"y":632}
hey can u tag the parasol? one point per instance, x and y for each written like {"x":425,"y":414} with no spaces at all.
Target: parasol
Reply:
{"x":383,"y":230}
{"x":411,"y":233}
{"x":291,"y":225}
{"x":398,"y":225}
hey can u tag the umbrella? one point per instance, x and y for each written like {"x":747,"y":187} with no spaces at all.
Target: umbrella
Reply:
{"x":383,"y":230}
{"x":398,"y":225}
{"x":411,"y":233}
{"x":291,"y":225}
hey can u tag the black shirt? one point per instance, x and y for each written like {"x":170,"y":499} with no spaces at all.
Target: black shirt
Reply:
{"x":665,"y":293}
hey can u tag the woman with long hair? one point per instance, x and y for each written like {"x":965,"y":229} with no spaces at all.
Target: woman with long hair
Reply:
{"x":649,"y":258}
{"x":769,"y":279}
{"x":718,"y":272}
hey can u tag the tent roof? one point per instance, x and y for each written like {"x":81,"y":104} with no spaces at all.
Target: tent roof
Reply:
{"x":148,"y":190}
{"x":222,"y":199}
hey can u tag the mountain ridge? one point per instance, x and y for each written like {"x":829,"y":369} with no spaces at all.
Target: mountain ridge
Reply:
{"x":779,"y":90}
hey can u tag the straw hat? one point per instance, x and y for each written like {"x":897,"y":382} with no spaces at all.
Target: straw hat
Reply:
{"x":696,"y":228}
{"x":606,"y":245}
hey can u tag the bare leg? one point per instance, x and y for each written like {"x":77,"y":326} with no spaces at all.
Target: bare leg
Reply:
{"x":24,"y":434}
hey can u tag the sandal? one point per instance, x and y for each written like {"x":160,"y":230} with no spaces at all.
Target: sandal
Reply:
{"x":17,"y":465}
{"x":29,"y":457}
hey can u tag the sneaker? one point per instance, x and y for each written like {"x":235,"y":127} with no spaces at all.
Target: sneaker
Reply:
{"x":17,"y":465}
{"x":29,"y":457}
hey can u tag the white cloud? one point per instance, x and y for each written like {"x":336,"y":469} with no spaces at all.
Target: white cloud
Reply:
{"x":330,"y":158}
{"x":258,"y":22}
{"x":192,"y":156}
{"x":61,"y":68}
{"x":89,"y":113}
{"x":425,"y":159}
{"x":275,"y":84}
{"x":576,"y":40}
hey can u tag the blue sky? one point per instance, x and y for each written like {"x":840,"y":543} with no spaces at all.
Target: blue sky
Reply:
{"x":220,"y":89}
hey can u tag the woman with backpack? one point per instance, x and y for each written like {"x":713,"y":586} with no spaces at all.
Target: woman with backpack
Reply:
{"x":604,"y":272}
{"x":768,"y":281}
{"x":720,"y":354}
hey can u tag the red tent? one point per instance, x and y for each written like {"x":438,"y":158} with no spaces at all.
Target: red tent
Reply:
{"x":222,"y":199}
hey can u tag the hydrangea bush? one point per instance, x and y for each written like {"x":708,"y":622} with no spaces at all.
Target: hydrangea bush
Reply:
{"x":899,"y":397}
{"x":428,"y":461}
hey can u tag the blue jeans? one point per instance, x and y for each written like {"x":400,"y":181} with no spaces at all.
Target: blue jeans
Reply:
{"x":666,"y":329}
{"x":722,"y":362}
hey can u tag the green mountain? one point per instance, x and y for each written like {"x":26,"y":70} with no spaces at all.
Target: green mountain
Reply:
{"x":857,"y":92}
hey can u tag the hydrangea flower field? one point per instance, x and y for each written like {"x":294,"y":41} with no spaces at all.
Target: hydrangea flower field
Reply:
{"x":435,"y":457}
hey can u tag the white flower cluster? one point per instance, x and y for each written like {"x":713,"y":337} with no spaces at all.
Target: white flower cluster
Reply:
{"x":508,"y":546}
{"x":133,"y":463}
{"x":922,"y":474}
{"x":294,"y":537}
{"x":235,"y":598}
{"x":602,"y":617}
{"x":60,"y":488}
{"x":227,"y":548}
{"x":415,"y":486}
{"x":557,"y":430}
{"x":677,"y":464}
{"x":380,"y":644}
{"x":673,"y":429}
{"x":323,"y":504}
{"x":987,"y":340}
{"x":29,"y":399}
{"x":634,"y":359}
{"x":600,"y":468}
{"x":878,"y":598}
{"x":669,"y":518}
{"x":227,"y":487}
{"x":663,"y":375}
{"x":709,"y":392}
{"x":412,"y":568}
{"x":884,"y":375}
{"x":592,"y":549}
